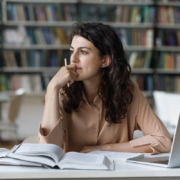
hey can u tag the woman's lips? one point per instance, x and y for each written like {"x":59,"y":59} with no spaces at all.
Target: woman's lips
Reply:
{"x":78,"y":68}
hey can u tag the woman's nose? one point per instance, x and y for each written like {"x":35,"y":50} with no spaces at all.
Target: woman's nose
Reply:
{"x":74,"y":58}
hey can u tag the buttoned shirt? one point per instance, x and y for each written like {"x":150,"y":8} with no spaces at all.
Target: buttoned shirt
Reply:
{"x":87,"y":126}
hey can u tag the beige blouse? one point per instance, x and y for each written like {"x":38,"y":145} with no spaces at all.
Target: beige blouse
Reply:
{"x":87,"y":126}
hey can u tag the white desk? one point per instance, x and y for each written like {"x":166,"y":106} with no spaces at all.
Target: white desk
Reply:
{"x":123,"y":170}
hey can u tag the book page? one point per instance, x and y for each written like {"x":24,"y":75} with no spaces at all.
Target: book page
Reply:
{"x":35,"y":159}
{"x":3,"y":152}
{"x":82,"y":158}
{"x":16,"y":162}
{"x":117,"y":156}
{"x":74,"y":160}
{"x":47,"y":150}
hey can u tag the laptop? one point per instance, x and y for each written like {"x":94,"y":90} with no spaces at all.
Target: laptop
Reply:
{"x":173,"y":160}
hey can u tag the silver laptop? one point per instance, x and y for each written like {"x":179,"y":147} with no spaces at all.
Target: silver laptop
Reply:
{"x":173,"y":160}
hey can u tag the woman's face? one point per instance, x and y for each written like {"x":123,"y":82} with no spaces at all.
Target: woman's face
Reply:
{"x":86,"y":58}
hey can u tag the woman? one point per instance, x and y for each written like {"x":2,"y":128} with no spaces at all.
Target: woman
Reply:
{"x":101,"y":108}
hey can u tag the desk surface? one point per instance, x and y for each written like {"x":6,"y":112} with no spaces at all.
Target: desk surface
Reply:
{"x":122,"y":170}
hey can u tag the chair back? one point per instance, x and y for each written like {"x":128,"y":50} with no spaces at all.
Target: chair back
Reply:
{"x":15,"y":105}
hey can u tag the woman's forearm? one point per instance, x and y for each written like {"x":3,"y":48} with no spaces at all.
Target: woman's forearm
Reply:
{"x":118,"y":147}
{"x":51,"y":110}
{"x":126,"y":147}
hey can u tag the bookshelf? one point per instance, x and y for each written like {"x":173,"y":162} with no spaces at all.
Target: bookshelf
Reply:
{"x":139,"y":22}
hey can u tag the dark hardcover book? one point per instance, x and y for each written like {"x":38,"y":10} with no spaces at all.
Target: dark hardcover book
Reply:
{"x":32,"y":58}
{"x":61,"y":12}
{"x":177,"y":15}
{"x":31,"y":12}
{"x":84,"y":13}
{"x":103,"y":11}
{"x":152,"y":15}
{"x":26,"y":11}
{"x":9,"y":12}
{"x":172,"y":39}
{"x":57,"y":11}
{"x":42,"y":58}
{"x":53,"y":10}
{"x":111,"y":14}
{"x":73,"y":12}
{"x":18,"y":59}
{"x":53,"y":59}
{"x":91,"y":16}
{"x":47,"y":35}
{"x":32,"y":35}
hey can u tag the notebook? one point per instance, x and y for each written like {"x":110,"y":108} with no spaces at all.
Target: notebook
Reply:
{"x":173,"y":160}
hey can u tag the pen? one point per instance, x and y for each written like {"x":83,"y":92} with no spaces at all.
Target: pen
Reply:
{"x":65,"y":62}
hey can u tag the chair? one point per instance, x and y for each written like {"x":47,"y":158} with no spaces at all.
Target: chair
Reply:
{"x":31,"y":139}
{"x":10,"y":125}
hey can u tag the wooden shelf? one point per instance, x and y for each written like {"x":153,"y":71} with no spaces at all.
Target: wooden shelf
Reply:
{"x":70,"y":23}
{"x":130,"y":25}
{"x":167,"y":3}
{"x":28,"y":94}
{"x":34,"y":47}
{"x":37,"y":23}
{"x":167,"y":26}
{"x":142,"y":71}
{"x":137,"y":48}
{"x":167,"y":71}
{"x":42,"y":1}
{"x":31,"y":69}
{"x":117,"y":2}
{"x":167,"y":48}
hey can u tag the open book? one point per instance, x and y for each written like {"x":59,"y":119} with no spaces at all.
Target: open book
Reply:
{"x":15,"y":162}
{"x":117,"y":156}
{"x":52,"y":156}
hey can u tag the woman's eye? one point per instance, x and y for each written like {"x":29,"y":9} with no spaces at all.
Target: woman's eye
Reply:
{"x":84,"y":52}
{"x":71,"y":52}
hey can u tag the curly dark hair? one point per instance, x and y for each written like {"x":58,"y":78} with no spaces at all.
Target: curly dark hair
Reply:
{"x":115,"y":87}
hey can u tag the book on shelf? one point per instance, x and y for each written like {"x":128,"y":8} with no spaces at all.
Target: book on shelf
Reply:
{"x":29,"y":82}
{"x":46,"y":12}
{"x":134,"y":37}
{"x":140,"y":60}
{"x":34,"y":58}
{"x":145,"y":82}
{"x":168,"y":15}
{"x":168,"y":83}
{"x":35,"y":36}
{"x":51,"y":155}
{"x":117,"y":13}
{"x":168,"y":38}
{"x":168,"y":61}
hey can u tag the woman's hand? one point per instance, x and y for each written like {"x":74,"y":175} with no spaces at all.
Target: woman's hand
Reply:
{"x":67,"y":74}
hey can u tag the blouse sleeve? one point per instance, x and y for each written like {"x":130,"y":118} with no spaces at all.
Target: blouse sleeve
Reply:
{"x":154,"y":131}
{"x":57,"y":134}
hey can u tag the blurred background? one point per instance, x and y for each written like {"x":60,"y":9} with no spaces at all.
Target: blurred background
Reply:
{"x":34,"y":40}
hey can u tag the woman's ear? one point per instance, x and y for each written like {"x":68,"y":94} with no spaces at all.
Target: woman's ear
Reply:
{"x":106,"y":61}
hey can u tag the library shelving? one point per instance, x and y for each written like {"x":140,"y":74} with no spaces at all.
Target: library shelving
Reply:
{"x":45,"y":26}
